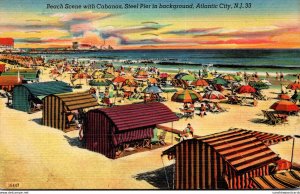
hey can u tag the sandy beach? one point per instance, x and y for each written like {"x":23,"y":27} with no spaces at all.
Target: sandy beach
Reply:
{"x":39,"y":157}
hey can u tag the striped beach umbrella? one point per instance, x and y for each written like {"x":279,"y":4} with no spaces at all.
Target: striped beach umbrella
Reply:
{"x":184,"y":96}
{"x":284,"y":105}
{"x":214,"y":95}
{"x":200,"y":82}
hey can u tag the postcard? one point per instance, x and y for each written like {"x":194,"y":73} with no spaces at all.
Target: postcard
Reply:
{"x":152,"y":95}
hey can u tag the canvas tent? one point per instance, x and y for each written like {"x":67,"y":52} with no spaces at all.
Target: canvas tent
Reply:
{"x":107,"y":128}
{"x":24,"y":95}
{"x":220,"y":161}
{"x":58,"y":106}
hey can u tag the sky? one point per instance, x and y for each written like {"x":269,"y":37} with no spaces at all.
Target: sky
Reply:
{"x":267,"y":24}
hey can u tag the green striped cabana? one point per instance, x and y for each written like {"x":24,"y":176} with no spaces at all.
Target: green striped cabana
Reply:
{"x":225,"y":160}
{"x":26,"y":94}
{"x":58,"y":106}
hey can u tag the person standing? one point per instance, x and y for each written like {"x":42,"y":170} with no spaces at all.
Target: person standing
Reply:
{"x":281,"y":76}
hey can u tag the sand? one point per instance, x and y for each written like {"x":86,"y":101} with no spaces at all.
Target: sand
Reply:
{"x":34,"y":156}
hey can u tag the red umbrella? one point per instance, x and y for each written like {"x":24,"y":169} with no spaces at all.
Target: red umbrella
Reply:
{"x":283,"y":96}
{"x":119,"y":79}
{"x":199,"y":82}
{"x":294,"y":86}
{"x":284,"y":105}
{"x":246,"y":89}
{"x":163,"y":75}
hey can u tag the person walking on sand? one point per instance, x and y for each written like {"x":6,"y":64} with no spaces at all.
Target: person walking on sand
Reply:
{"x":281,"y":76}
{"x":267,"y":76}
{"x":277,"y":76}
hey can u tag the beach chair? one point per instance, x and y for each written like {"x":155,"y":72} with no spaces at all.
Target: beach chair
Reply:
{"x":158,"y":139}
{"x":272,"y":119}
{"x":233,"y":100}
{"x":9,"y":99}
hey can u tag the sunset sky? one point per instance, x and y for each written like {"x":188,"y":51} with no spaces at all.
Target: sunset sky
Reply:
{"x":267,"y":24}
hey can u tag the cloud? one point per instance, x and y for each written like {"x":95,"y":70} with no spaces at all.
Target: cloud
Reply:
{"x":193,"y":31}
{"x":254,"y":32}
{"x":146,"y":28}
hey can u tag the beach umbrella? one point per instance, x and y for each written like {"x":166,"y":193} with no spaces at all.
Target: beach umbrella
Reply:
{"x":128,"y":88}
{"x":180,"y":75}
{"x":283,"y":96}
{"x":209,"y":76}
{"x":163,"y":75}
{"x":100,"y":82}
{"x":246,"y":89}
{"x":128,"y":77}
{"x":152,"y":90}
{"x":296,"y":96}
{"x":119,"y":79}
{"x":152,"y":80}
{"x":294,"y":86}
{"x":188,"y":78}
{"x":200,"y":82}
{"x":142,"y":73}
{"x":229,"y":78}
{"x":284,"y":105}
{"x":237,"y":78}
{"x":211,"y":95}
{"x":220,"y":81}
{"x":184,"y":96}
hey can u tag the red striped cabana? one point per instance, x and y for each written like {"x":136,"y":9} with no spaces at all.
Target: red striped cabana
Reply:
{"x":221,"y":160}
{"x":106,"y":129}
{"x":267,"y":138}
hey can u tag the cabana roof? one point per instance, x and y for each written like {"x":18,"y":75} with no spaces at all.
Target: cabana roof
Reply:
{"x":47,"y":88}
{"x":139,"y":115}
{"x":74,"y":101}
{"x":239,"y":148}
{"x":267,"y":138}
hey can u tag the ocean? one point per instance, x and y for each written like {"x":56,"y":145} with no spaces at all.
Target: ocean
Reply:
{"x":261,"y":60}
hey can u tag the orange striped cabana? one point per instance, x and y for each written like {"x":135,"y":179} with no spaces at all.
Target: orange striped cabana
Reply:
{"x":225,"y":160}
{"x":58,"y":106}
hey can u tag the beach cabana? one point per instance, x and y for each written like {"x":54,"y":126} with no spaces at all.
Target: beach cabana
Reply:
{"x":58,"y":108}
{"x":225,"y":160}
{"x":108,"y":129}
{"x":7,"y":83}
{"x":26,"y":95}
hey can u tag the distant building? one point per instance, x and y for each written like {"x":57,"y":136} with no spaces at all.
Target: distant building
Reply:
{"x":6,"y":43}
{"x":75,"y":45}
